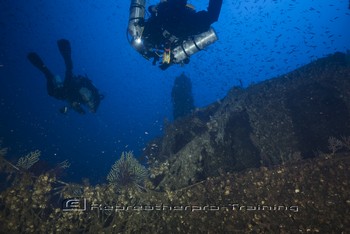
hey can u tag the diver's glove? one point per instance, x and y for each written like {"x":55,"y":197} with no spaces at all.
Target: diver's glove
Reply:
{"x":64,"y":110}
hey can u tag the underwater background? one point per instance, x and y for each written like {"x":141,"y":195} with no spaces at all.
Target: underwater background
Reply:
{"x":258,"y":40}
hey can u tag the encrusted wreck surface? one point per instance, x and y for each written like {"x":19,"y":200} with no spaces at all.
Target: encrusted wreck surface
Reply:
{"x":307,"y":196}
{"x":273,"y":122}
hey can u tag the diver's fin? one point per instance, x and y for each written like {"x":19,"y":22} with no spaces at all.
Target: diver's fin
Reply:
{"x":38,"y":63}
{"x":36,"y":60}
{"x":64,"y":47}
{"x":66,"y":51}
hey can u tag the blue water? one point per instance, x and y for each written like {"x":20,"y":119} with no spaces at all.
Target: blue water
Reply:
{"x":258,"y":40}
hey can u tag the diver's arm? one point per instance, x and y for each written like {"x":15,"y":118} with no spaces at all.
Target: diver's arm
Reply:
{"x":203,"y":19}
{"x":214,"y":9}
{"x":146,"y":52}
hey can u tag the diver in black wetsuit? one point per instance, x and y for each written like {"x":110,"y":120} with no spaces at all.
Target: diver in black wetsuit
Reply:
{"x":173,"y":32}
{"x":76,"y":90}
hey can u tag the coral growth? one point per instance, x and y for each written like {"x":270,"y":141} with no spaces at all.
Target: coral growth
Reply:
{"x":29,"y":160}
{"x":64,"y":165}
{"x":127,"y":171}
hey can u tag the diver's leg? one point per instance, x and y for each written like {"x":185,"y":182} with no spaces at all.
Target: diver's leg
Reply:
{"x":38,"y":63}
{"x":65,"y":50}
{"x":214,"y":9}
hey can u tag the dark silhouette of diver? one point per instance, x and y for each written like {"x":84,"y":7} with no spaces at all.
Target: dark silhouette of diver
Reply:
{"x":173,"y":32}
{"x":76,"y":90}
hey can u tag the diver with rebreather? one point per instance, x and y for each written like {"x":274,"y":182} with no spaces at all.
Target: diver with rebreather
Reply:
{"x":76,"y":90}
{"x":174,"y":30}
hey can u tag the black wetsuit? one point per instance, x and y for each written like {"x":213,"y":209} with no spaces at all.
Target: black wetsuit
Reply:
{"x":70,"y":89}
{"x":174,"y":22}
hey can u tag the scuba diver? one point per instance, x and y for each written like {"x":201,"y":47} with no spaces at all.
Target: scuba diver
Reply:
{"x":76,"y":90}
{"x":174,"y":30}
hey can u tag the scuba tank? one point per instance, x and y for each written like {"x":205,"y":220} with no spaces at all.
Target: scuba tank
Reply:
{"x":136,"y":18}
{"x":193,"y":45}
